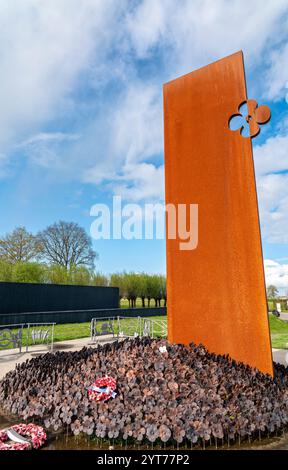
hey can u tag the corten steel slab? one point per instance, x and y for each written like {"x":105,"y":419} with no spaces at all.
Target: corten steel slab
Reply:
{"x":216,"y":292}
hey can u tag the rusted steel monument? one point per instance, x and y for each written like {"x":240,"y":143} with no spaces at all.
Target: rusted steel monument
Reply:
{"x":216,"y":292}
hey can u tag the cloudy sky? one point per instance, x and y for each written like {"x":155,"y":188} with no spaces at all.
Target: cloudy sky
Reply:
{"x":81,"y":108}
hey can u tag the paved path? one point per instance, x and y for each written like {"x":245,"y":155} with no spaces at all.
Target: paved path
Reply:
{"x":280,"y":355}
{"x":284,"y":316}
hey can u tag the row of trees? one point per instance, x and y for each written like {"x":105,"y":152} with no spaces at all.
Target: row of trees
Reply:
{"x":63,"y":254}
{"x":140,"y":285}
{"x":52,"y":274}
{"x":131,"y":285}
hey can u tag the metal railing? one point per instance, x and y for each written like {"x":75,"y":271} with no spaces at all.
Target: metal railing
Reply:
{"x":78,"y":316}
{"x":123,"y":327}
{"x":12,"y":336}
{"x":153,"y":328}
{"x":40,"y":333}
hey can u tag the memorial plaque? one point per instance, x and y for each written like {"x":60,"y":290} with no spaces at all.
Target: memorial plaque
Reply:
{"x":216,"y":291}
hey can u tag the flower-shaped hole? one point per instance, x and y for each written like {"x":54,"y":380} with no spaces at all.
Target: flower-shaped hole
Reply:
{"x":249,"y":118}
{"x":240,"y":121}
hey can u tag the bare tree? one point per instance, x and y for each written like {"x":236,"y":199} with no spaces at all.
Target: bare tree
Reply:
{"x":18,"y":246}
{"x":66,"y":244}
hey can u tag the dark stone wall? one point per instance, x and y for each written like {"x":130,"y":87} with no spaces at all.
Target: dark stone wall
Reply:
{"x":78,"y":316}
{"x":22,"y":297}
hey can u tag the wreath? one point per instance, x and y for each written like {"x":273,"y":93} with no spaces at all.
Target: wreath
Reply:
{"x":36,"y":435}
{"x":102,"y":389}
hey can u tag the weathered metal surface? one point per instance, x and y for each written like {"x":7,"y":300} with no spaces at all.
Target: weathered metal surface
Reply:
{"x":257,"y":115}
{"x":216,"y":292}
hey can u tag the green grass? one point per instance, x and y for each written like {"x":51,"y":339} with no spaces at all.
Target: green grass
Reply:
{"x":66,"y":332}
{"x":70,"y":331}
{"x":279,"y":332}
{"x":271,"y":306}
{"x":125,"y":304}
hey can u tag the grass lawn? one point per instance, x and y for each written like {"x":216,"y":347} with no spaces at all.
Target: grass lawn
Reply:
{"x":69,"y":331}
{"x":271,"y":306}
{"x":279,"y":332}
{"x":125,"y":304}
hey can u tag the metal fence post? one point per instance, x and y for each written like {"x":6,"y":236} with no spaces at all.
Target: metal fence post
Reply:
{"x":27,"y":336}
{"x":52,"y":337}
{"x":20,"y":344}
{"x":118,"y":327}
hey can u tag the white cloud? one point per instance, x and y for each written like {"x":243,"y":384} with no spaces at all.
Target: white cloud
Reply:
{"x":44,"y":47}
{"x":42,"y":149}
{"x":271,"y":163}
{"x":177,"y":34}
{"x":140,"y":182}
{"x":137,"y":124}
{"x":272,"y":156}
{"x":273,"y":203}
{"x":50,"y":50}
{"x":147,"y":25}
{"x":48,"y":137}
{"x":276,"y":274}
{"x":205,"y":30}
{"x":135,"y":135}
{"x":277,"y":75}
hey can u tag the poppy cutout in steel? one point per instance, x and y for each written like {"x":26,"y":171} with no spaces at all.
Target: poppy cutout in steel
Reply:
{"x":249,"y":118}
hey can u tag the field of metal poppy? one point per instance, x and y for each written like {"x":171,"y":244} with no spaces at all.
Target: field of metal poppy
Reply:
{"x":167,"y":394}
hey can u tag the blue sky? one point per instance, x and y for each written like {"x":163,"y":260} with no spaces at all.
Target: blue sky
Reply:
{"x":81,"y":109}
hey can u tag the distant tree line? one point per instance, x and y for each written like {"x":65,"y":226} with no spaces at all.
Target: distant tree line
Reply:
{"x":140,"y":285}
{"x":63,"y":254}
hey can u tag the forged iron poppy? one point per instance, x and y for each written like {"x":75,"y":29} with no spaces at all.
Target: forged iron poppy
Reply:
{"x":186,"y":393}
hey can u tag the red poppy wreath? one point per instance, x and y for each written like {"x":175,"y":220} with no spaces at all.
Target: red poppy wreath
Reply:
{"x":102,"y":389}
{"x":35,"y":434}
